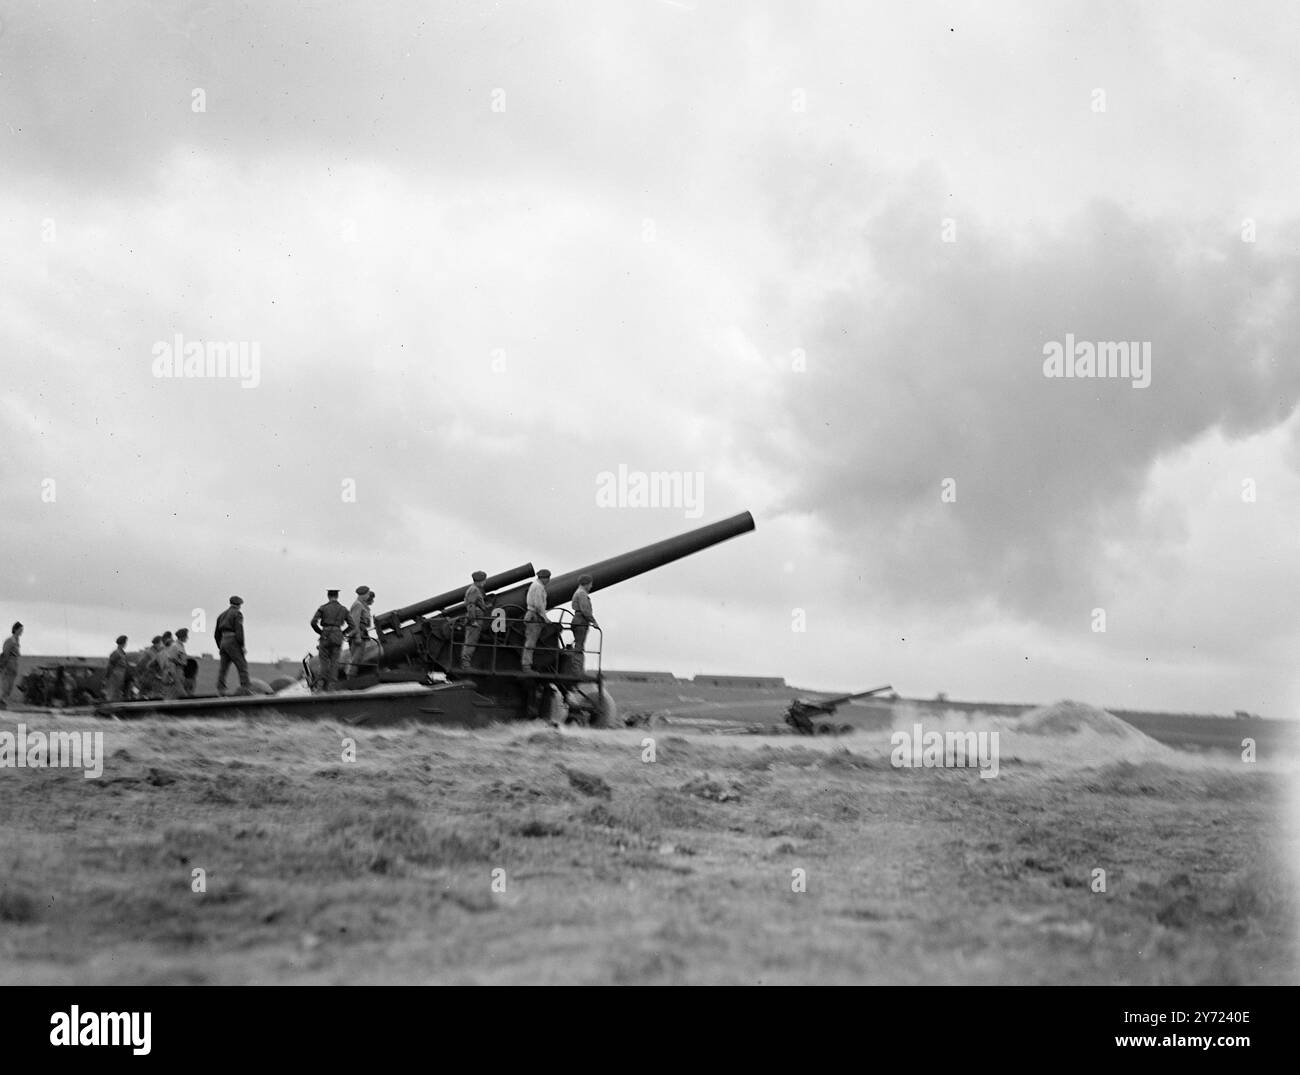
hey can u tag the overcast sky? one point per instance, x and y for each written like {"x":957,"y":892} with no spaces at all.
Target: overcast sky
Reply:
{"x":808,"y":254}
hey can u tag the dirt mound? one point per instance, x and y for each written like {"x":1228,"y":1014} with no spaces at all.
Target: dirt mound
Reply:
{"x":1083,"y":734}
{"x":1071,"y":718}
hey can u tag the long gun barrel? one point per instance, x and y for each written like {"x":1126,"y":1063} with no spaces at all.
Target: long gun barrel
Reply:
{"x":559,"y":590}
{"x":399,"y":644}
{"x":399,"y":616}
{"x":830,"y":704}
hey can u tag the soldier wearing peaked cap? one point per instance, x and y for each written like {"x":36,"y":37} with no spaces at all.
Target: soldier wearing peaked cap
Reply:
{"x":329,"y":622}
{"x":229,"y":636}
{"x":477,"y":616}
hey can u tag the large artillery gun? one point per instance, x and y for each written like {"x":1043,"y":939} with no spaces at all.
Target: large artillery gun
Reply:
{"x":416,"y":659}
{"x":424,"y":642}
{"x":802,"y":711}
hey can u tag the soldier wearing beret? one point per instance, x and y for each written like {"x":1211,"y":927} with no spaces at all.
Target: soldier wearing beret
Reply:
{"x":145,"y":673}
{"x":115,"y":676}
{"x":188,"y":665}
{"x":583,"y":618}
{"x":534,"y":617}
{"x":359,"y":623}
{"x":171,"y":667}
{"x":477,"y":616}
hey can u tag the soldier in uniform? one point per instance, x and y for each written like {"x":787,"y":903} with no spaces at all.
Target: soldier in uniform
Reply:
{"x":534,"y":617}
{"x":116,"y":673}
{"x":583,"y":619}
{"x":477,"y":616}
{"x":229,"y":635}
{"x":370,"y":616}
{"x":152,"y":666}
{"x":171,"y":667}
{"x":359,"y":621}
{"x":142,"y":674}
{"x":9,"y":655}
{"x":188,"y":665}
{"x":329,"y":622}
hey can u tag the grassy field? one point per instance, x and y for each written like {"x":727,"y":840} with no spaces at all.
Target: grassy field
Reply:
{"x":619,"y":870}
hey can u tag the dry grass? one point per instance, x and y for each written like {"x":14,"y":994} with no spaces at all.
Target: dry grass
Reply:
{"x":320,"y":870}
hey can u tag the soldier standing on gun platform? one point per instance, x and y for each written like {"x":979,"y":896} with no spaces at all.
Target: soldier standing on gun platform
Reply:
{"x":115,"y":676}
{"x":328,"y":622}
{"x":370,"y":619}
{"x":358,"y":630}
{"x":189,"y":666}
{"x":583,"y":619}
{"x":153,"y":663}
{"x":146,"y":675}
{"x":229,"y":635}
{"x":476,"y":617}
{"x":534,"y":617}
{"x":9,"y":655}
{"x":171,"y":667}
{"x":176,"y":659}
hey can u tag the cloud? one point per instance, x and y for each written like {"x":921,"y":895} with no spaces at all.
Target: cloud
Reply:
{"x":926,"y":364}
{"x":472,"y":313}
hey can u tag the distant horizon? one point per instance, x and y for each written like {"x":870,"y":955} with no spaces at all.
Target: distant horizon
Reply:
{"x":912,"y":697}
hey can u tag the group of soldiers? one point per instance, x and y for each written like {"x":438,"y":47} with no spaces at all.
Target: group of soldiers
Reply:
{"x":336,"y":624}
{"x":535,"y":616}
{"x":165,"y":670}
{"x":478,"y":615}
{"x":161,"y":670}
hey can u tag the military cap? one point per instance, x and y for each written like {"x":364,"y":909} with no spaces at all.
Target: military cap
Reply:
{"x":331,"y":593}
{"x":543,"y":574}
{"x":362,"y":591}
{"x":479,"y":576}
{"x":236,"y":600}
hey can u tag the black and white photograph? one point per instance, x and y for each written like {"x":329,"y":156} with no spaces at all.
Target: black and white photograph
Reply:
{"x":649,"y":493}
